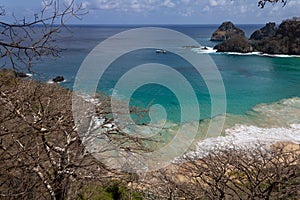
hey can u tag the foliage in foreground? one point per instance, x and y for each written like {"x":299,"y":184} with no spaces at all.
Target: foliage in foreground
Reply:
{"x":41,"y":157}
{"x":256,"y":173}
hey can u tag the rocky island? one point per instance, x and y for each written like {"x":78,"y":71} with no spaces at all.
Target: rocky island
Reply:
{"x":271,"y":40}
{"x":227,"y":31}
{"x":269,"y":30}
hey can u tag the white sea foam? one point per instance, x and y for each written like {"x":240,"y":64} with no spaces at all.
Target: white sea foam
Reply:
{"x":243,"y":54}
{"x":247,"y":137}
{"x":211,"y":50}
{"x":257,"y":53}
{"x":51,"y":81}
{"x":265,"y":125}
{"x":279,"y":55}
{"x":90,"y":99}
{"x":278,"y":114}
{"x":203,"y":50}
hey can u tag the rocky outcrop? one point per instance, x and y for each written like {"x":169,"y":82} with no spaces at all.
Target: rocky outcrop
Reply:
{"x":14,"y":73}
{"x":21,"y":75}
{"x":58,"y":79}
{"x":285,"y":41}
{"x":269,"y":30}
{"x":235,"y":44}
{"x":271,"y":40}
{"x":227,"y":31}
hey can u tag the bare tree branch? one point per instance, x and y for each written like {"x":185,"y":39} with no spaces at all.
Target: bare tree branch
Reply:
{"x":24,"y":41}
{"x":262,"y":3}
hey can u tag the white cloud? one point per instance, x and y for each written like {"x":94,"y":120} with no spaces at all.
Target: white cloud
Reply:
{"x":206,"y":9}
{"x":213,"y":2}
{"x":185,"y":1}
{"x":243,"y":9}
{"x":85,"y":4}
{"x":292,"y":3}
{"x":217,"y":2}
{"x":187,"y":12}
{"x":211,"y":10}
{"x":168,"y":3}
{"x":105,"y":4}
{"x":180,"y":6}
{"x":132,"y":5}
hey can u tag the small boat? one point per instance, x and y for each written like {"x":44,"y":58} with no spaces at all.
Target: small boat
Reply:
{"x":161,"y":51}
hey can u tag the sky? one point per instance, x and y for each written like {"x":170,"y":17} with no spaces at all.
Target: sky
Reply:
{"x":163,"y":11}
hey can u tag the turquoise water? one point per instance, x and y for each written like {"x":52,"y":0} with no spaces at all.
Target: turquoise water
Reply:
{"x":249,"y":79}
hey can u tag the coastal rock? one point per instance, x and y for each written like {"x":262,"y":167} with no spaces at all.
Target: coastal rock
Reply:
{"x":236,"y":44}
{"x":21,"y":75}
{"x":14,"y":73}
{"x":285,"y":41}
{"x":271,"y":40}
{"x":227,"y":31}
{"x":58,"y":79}
{"x":269,"y":30}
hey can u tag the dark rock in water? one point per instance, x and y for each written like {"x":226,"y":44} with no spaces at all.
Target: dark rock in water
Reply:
{"x":58,"y":79}
{"x":282,"y":40}
{"x":285,"y":41}
{"x":269,"y":30}
{"x":21,"y":75}
{"x":227,"y":31}
{"x":237,"y":44}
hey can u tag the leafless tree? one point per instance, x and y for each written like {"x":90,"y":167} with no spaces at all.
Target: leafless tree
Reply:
{"x":258,"y":173}
{"x":41,"y":154}
{"x":24,"y":40}
{"x":40,"y":151}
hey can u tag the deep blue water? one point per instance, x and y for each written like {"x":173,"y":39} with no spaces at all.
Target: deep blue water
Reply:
{"x":249,"y":79}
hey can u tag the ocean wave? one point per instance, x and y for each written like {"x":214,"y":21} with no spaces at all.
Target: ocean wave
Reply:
{"x":279,"y":114}
{"x":90,"y":99}
{"x":265,"y":125}
{"x":242,"y":54}
{"x":257,"y":53}
{"x":204,"y":50}
{"x":279,"y":55}
{"x":51,"y":81}
{"x":211,"y":50}
{"x":242,"y":137}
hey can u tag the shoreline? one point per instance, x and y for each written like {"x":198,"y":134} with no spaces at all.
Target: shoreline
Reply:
{"x":265,"y":124}
{"x":211,"y":50}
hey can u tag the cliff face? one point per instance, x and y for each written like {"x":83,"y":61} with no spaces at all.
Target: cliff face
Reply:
{"x":227,"y":31}
{"x":267,"y":31}
{"x":235,"y":44}
{"x":285,"y":41}
{"x":282,"y":40}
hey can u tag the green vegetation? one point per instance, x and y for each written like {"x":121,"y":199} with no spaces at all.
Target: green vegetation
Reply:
{"x":114,"y":191}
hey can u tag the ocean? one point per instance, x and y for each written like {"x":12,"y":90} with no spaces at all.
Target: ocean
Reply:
{"x":262,"y":91}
